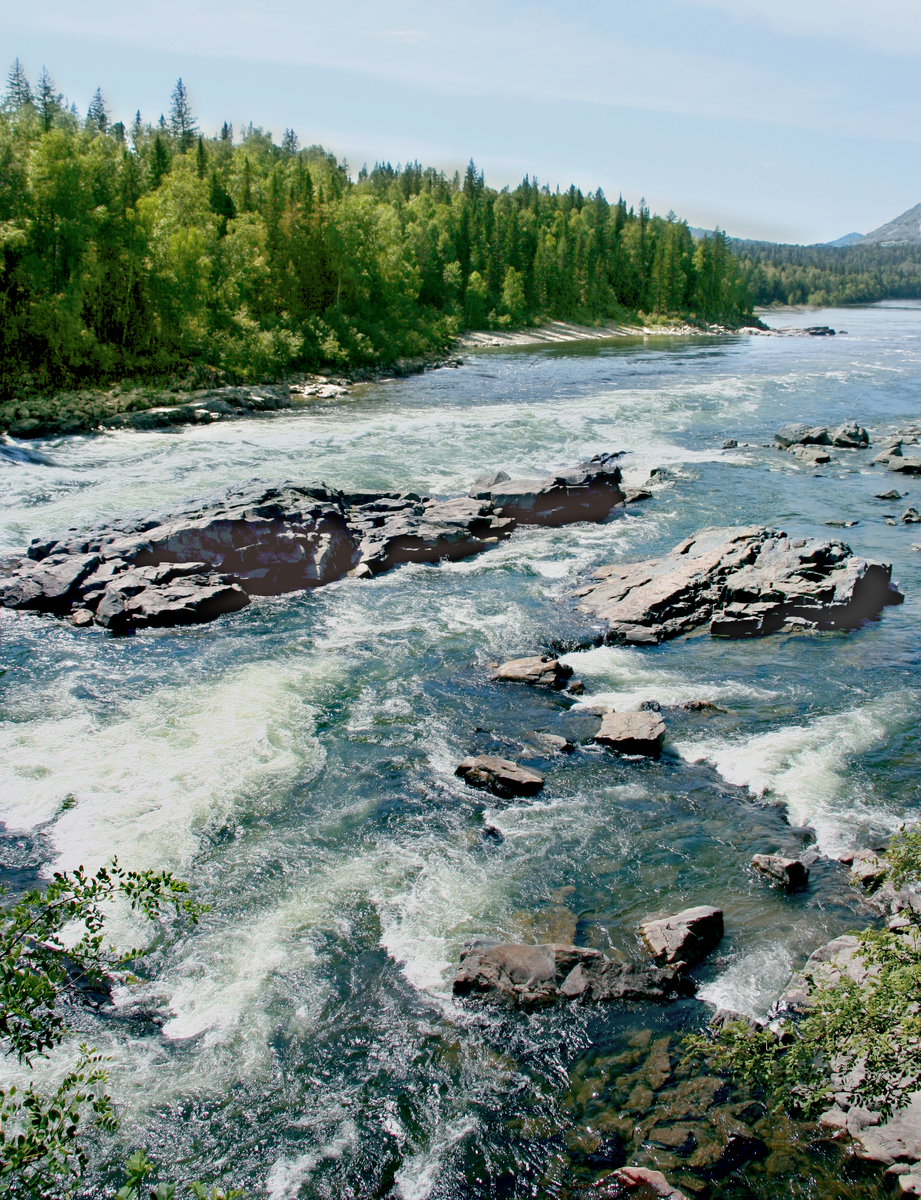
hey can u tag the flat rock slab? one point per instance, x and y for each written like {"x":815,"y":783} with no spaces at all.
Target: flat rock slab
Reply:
{"x":500,"y":776}
{"x":745,"y":582}
{"x":790,"y":872}
{"x":531,"y":976}
{"x":905,"y":466}
{"x":798,"y":434}
{"x":632,"y":733}
{"x":268,"y":539}
{"x":538,"y":670}
{"x":686,"y":937}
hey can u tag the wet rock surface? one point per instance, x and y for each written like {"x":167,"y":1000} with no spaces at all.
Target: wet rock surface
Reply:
{"x":685,"y":938}
{"x":632,"y":733}
{"x":537,"y":670}
{"x":746,"y":581}
{"x":268,"y":539}
{"x":533,"y":976}
{"x":790,"y":872}
{"x":500,"y":776}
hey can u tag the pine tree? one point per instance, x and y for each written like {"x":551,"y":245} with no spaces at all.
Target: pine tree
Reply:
{"x":289,"y":143}
{"x":136,"y":129}
{"x":96,"y":116}
{"x":49,"y":101}
{"x":18,"y":91}
{"x":227,"y":133}
{"x":201,"y":158}
{"x":181,"y":122}
{"x":159,"y":162}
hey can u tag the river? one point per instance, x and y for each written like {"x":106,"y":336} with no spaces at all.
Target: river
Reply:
{"x":295,"y":761}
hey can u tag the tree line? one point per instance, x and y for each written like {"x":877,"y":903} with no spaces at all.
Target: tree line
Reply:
{"x":829,"y":275}
{"x":136,"y":249}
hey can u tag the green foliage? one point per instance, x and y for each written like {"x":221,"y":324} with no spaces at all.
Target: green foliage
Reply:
{"x":35,"y":967}
{"x":869,"y":1032}
{"x":138,"y":1186}
{"x":141,"y":257}
{"x":829,"y":275}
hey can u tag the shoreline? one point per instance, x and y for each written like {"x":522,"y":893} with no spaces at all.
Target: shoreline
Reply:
{"x":563,"y":332}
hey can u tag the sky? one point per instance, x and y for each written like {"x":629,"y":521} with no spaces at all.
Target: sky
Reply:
{"x":797,"y":120}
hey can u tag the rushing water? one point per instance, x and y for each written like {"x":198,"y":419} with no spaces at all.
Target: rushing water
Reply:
{"x":295,"y":761}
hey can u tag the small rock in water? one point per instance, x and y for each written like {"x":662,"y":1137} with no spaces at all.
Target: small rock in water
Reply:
{"x":851,"y":435}
{"x":905,"y":466}
{"x":730,"y":444}
{"x":653,"y":1182}
{"x":811,"y":455}
{"x":632,"y":733}
{"x":552,"y":742}
{"x":650,"y":706}
{"x":892,"y":494}
{"x":532,"y":976}
{"x":500,"y":776}
{"x":685,"y":938}
{"x":538,"y":670}
{"x":792,"y":873}
{"x":911,"y":516}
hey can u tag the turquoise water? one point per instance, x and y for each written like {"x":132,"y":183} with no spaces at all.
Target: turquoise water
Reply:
{"x":295,"y":761}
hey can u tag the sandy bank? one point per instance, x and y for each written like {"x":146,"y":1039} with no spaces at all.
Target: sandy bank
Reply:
{"x":567,"y":331}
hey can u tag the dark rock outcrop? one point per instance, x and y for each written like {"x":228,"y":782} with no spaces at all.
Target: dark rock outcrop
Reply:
{"x":586,"y":493}
{"x":530,"y":976}
{"x":790,"y":872}
{"x":538,"y":670}
{"x":745,"y":582}
{"x":500,"y":776}
{"x":685,"y":938}
{"x":632,"y":733}
{"x":264,"y":539}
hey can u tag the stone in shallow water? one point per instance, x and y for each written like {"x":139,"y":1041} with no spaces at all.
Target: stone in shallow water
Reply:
{"x":632,"y":733}
{"x":746,"y":581}
{"x":530,"y":976}
{"x":798,"y":434}
{"x":792,"y":873}
{"x":500,"y":776}
{"x":539,"y":669}
{"x":685,"y":938}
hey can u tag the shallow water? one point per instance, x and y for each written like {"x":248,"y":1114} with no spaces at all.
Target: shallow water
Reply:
{"x":295,"y":761}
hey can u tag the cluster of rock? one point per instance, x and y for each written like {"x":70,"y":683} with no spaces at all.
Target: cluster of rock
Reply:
{"x":745,"y":582}
{"x":209,"y":556}
{"x":533,"y":976}
{"x":850,"y":435}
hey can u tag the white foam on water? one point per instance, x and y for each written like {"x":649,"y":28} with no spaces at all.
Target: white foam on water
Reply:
{"x":288,"y":1175}
{"x":417,"y":1177}
{"x":635,"y":677}
{"x":144,"y":784}
{"x":807,"y":767}
{"x":753,"y":981}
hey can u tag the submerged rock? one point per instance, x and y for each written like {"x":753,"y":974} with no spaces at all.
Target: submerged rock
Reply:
{"x":653,"y":1182}
{"x":792,"y":873}
{"x":685,"y":938}
{"x":537,"y":670}
{"x":632,"y":733}
{"x":529,"y":976}
{"x":500,"y":776}
{"x":745,"y":582}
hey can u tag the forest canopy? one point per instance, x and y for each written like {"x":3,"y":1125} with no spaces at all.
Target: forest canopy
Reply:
{"x":141,"y":249}
{"x":829,"y":275}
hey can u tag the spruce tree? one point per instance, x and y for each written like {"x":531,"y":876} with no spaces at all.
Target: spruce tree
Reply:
{"x":49,"y":101}
{"x":289,"y":143}
{"x":227,"y":132}
{"x":159,"y":162}
{"x":18,"y":91}
{"x":201,"y":158}
{"x":136,"y":129}
{"x":96,"y":116}
{"x":181,"y":122}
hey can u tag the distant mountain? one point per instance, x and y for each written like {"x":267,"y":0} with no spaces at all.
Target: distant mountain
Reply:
{"x":906,"y":228}
{"x":849,"y":239}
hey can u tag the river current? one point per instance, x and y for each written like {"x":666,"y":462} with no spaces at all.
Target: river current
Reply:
{"x":295,"y":761}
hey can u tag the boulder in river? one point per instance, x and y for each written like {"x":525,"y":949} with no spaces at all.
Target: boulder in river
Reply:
{"x":500,"y":776}
{"x":685,"y":938}
{"x":538,"y":670}
{"x":812,"y":456}
{"x":790,"y":872}
{"x":530,"y":976}
{"x":798,"y":434}
{"x":585,"y":493}
{"x":851,"y":436}
{"x":632,"y":733}
{"x":268,"y":539}
{"x":746,"y":581}
{"x":905,"y":466}
{"x":652,"y":1182}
